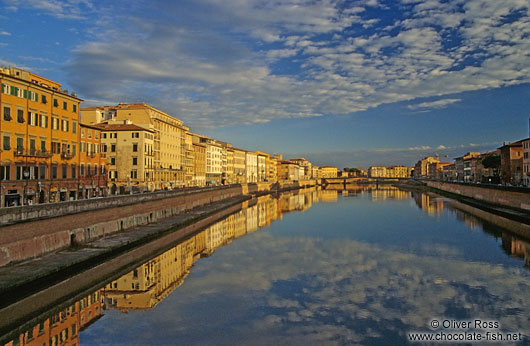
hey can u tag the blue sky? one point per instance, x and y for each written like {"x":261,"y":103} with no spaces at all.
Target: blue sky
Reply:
{"x":347,"y":83}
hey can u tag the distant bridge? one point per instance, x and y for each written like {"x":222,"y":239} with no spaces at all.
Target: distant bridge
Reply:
{"x":359,"y":180}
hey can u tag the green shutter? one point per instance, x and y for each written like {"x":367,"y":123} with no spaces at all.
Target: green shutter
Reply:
{"x":25,"y":94}
{"x":13,"y":90}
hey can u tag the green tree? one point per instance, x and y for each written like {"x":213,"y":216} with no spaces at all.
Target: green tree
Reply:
{"x":494,"y":162}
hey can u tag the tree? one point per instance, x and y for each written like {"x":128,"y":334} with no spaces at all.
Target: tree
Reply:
{"x":494,"y":162}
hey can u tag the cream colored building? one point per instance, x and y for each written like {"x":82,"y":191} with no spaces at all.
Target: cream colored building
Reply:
{"x":251,"y":161}
{"x":307,"y":166}
{"x":129,"y":152}
{"x":315,"y":172}
{"x":262,"y":166}
{"x":272,"y":170}
{"x":169,"y":137}
{"x":327,"y":172}
{"x":377,"y":172}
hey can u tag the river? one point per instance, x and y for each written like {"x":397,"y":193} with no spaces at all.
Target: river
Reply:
{"x":366,"y":266}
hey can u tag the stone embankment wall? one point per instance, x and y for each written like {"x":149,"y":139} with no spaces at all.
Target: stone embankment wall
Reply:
{"x":31,"y":231}
{"x":510,"y":197}
{"x":52,"y":227}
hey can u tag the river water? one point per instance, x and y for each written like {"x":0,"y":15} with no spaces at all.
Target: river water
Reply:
{"x":368,"y":266}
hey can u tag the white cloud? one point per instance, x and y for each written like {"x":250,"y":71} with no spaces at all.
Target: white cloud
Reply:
{"x":434,"y":104}
{"x":243,"y":54}
{"x":5,"y":33}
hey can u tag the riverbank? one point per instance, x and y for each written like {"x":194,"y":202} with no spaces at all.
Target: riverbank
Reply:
{"x":31,"y":231}
{"x":480,"y":198}
{"x":71,"y":271}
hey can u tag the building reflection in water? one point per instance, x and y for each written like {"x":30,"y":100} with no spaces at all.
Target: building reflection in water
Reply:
{"x":63,"y":327}
{"x":151,"y":282}
{"x":511,"y":244}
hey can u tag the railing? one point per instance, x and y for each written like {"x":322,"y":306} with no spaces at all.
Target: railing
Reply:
{"x":67,"y":156}
{"x":31,"y":153}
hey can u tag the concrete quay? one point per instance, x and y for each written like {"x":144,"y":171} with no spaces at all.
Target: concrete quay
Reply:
{"x":25,"y":288}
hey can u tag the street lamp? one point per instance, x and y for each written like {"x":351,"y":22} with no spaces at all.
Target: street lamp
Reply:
{"x":26,"y":176}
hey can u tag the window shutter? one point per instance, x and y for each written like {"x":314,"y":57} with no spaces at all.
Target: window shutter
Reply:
{"x":25,"y":94}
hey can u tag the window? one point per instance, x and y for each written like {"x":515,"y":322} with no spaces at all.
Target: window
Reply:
{"x":43,"y":99}
{"x":113,"y":148}
{"x":20,"y":143}
{"x":42,"y":171}
{"x":73,"y":171}
{"x":112,"y":160}
{"x":5,"y":88}
{"x":5,"y":172}
{"x":74,"y":148}
{"x":6,"y":143}
{"x":20,"y":116}
{"x":83,"y":147}
{"x":56,"y":148}
{"x":135,"y":147}
{"x":55,"y":103}
{"x":64,"y":169}
{"x":82,"y":170}
{"x":43,"y":145}
{"x":55,"y":123}
{"x":43,"y":121}
{"x":54,"y":171}
{"x":65,"y":105}
{"x":104,"y":135}
{"x":64,"y":125}
{"x":96,"y":169}
{"x":102,"y":169}
{"x":32,"y":146}
{"x":103,"y":148}
{"x":88,"y":170}
{"x":7,"y":113}
{"x":135,"y":161}
{"x":134,"y":174}
{"x":33,"y":118}
{"x":74,"y":126}
{"x":74,"y":108}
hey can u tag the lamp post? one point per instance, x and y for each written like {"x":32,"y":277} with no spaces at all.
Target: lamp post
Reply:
{"x":26,"y":177}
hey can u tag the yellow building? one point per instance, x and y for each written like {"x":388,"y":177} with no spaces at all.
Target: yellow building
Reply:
{"x":40,"y":136}
{"x":189,"y":156}
{"x":92,"y":167}
{"x":327,"y":172}
{"x":199,"y":161}
{"x":169,"y":150}
{"x":128,"y":149}
{"x":240,"y":173}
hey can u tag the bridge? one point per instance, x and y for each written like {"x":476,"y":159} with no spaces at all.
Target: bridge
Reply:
{"x":359,"y":180}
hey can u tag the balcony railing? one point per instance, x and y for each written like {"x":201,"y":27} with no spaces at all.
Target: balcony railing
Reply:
{"x":67,"y":155}
{"x":31,"y":153}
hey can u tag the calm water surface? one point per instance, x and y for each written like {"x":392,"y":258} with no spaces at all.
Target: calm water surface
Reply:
{"x":359,"y":267}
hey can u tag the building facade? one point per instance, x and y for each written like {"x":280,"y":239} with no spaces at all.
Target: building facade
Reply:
{"x":129,"y":151}
{"x":39,"y":126}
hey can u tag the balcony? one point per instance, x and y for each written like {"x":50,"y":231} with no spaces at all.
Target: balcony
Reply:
{"x":31,"y":153}
{"x":67,"y":156}
{"x":91,"y":155}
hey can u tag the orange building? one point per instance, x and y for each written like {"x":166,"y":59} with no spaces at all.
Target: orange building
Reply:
{"x":63,"y":327}
{"x":40,"y":136}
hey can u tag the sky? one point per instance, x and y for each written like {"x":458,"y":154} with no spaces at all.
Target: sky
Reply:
{"x":344,"y":83}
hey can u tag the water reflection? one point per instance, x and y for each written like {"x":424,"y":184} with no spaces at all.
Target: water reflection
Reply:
{"x":63,"y":327}
{"x":279,"y":286}
{"x":511,"y":244}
